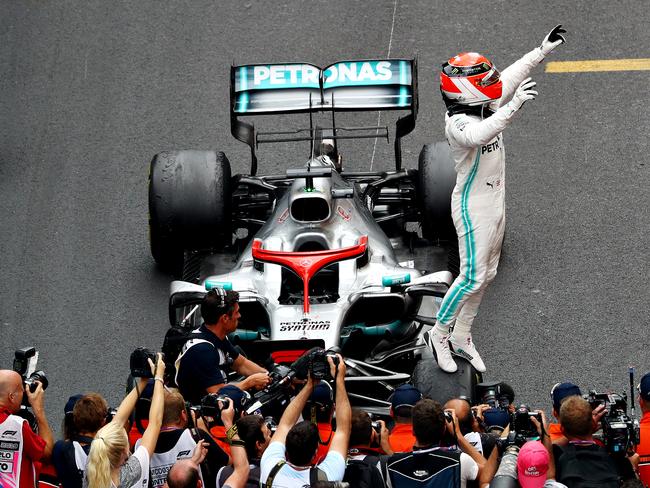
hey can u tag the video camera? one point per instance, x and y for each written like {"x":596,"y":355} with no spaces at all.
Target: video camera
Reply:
{"x":619,"y":432}
{"x":25,"y":361}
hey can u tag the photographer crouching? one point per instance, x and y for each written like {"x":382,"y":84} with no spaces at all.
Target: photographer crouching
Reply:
{"x":22,"y":448}
{"x":204,"y":361}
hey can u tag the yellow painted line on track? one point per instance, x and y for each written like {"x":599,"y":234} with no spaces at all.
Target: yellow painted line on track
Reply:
{"x":639,"y":64}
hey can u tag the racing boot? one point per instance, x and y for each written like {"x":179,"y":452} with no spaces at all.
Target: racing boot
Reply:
{"x":463,"y":346}
{"x":439,"y":343}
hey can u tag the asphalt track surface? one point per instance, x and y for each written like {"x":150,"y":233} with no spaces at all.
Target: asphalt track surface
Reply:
{"x":91,"y":90}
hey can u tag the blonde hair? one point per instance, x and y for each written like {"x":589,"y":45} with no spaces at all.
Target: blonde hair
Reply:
{"x":106,"y":453}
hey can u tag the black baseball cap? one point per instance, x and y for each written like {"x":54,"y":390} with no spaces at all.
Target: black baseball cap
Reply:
{"x":560,"y":391}
{"x":644,"y":387}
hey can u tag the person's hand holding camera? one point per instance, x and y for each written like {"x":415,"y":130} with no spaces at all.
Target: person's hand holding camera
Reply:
{"x":227,"y":414}
{"x":596,"y":416}
{"x":36,"y":398}
{"x":540,"y":426}
{"x":337,"y":371}
{"x":452,"y":427}
{"x":257,"y":381}
{"x":384,"y":433}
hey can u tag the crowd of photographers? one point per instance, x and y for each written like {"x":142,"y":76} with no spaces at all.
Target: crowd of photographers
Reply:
{"x":183,"y":424}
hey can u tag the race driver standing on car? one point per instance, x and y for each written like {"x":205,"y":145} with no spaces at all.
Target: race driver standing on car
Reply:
{"x":480,"y":104}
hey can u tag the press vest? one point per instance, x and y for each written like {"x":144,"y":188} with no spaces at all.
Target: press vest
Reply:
{"x":11,"y":451}
{"x":161,"y":462}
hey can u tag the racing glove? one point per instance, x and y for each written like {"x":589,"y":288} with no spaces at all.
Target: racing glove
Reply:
{"x":552,"y":40}
{"x":523,"y":93}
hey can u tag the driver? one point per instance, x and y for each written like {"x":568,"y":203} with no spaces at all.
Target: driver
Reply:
{"x":480,"y":102}
{"x":204,"y":361}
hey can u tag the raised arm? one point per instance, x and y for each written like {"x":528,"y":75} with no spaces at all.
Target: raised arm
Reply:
{"x":150,"y":436}
{"x":343,"y":410}
{"x":292,"y":412}
{"x":465,"y":131}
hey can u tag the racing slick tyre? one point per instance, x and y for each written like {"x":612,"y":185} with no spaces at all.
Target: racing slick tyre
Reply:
{"x":440,"y":386}
{"x":189,"y":205}
{"x":436,"y":181}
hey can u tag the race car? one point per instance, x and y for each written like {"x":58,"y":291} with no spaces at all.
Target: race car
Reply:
{"x":320,"y":256}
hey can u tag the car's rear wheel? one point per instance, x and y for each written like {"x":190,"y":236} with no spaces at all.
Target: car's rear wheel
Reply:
{"x":440,"y":386}
{"x":189,"y":205}
{"x":436,"y":181}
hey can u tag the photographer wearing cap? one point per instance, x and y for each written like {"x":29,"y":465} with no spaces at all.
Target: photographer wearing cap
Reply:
{"x":22,"y":447}
{"x":176,"y":441}
{"x":203,"y":364}
{"x":289,"y":458}
{"x":401,"y":407}
{"x":559,"y":393}
{"x":88,"y":414}
{"x":429,"y":464}
{"x":579,"y":460}
{"x":319,"y":411}
{"x":643,"y":449}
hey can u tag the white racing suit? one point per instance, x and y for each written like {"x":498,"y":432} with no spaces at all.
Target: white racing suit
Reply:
{"x":478,"y":200}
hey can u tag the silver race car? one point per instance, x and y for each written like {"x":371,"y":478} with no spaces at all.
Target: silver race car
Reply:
{"x":320,"y":256}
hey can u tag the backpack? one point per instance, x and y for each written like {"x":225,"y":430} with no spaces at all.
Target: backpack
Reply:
{"x":363,"y":473}
{"x":585,"y":468}
{"x":175,"y":339}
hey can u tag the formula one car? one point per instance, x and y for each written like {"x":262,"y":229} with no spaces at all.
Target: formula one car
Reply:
{"x":319,"y":255}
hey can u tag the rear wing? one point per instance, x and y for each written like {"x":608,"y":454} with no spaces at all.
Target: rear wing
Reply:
{"x":366,"y":85}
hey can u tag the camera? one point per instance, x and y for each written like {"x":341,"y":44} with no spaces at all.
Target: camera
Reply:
{"x":25,"y":361}
{"x":619,"y":431}
{"x":449,"y":418}
{"x":139,"y":363}
{"x":110,"y":414}
{"x":209,"y":406}
{"x":271,"y":424}
{"x":497,"y":395}
{"x":522,"y":428}
{"x":319,"y":367}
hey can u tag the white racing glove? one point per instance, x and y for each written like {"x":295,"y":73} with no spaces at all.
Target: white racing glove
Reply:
{"x":524,"y":93}
{"x":552,"y":40}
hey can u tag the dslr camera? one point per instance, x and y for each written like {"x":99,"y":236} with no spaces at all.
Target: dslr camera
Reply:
{"x":139,"y":362}
{"x":319,"y":368}
{"x":209,"y":406}
{"x":522,"y":428}
{"x":25,"y":361}
{"x":619,"y":432}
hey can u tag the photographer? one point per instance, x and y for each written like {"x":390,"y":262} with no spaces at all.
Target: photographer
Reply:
{"x":559,"y":393}
{"x":429,"y":464}
{"x":69,"y":456}
{"x":204,"y":361}
{"x":28,"y":447}
{"x":643,"y":449}
{"x":254,"y":431}
{"x":109,"y":459}
{"x":470,"y":428}
{"x":291,"y":464}
{"x":363,"y":470}
{"x":401,"y":406}
{"x":319,"y":411}
{"x":176,"y":442}
{"x":578,"y":459}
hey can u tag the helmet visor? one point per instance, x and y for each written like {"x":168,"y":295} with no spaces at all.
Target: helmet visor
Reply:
{"x":490,"y":78}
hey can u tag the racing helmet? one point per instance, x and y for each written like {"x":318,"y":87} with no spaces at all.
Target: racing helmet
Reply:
{"x":470,"y":79}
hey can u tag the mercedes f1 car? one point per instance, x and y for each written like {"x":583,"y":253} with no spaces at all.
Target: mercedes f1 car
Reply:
{"x":319,"y":255}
